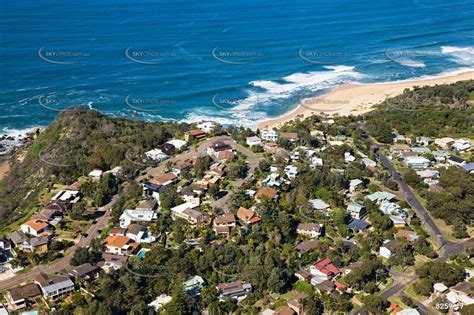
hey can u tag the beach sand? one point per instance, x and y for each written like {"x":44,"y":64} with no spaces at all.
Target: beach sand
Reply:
{"x":356,"y":99}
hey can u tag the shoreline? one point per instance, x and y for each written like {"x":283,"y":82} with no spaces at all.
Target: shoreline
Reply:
{"x":357,"y":98}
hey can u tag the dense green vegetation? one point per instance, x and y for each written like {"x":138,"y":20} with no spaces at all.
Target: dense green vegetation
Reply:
{"x":75,"y":143}
{"x":442,"y":110}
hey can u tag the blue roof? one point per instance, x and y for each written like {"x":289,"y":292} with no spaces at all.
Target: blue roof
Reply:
{"x":357,"y":224}
{"x":468,"y":167}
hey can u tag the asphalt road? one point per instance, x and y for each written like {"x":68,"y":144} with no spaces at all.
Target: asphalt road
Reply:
{"x":63,"y":263}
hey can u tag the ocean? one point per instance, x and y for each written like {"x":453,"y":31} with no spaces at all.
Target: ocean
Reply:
{"x":234,"y":62}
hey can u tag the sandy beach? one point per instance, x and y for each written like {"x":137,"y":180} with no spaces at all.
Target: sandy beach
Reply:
{"x":357,"y":99}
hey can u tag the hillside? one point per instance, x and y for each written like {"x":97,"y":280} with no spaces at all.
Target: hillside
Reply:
{"x":75,"y":143}
{"x":443,"y":110}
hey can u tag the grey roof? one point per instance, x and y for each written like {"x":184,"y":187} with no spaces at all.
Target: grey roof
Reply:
{"x":18,"y":237}
{"x":83,"y":270}
{"x":38,"y":241}
{"x":54,"y":283}
{"x":357,"y":224}
{"x":468,"y":167}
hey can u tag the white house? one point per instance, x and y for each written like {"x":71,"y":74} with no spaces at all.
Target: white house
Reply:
{"x":356,"y":210}
{"x":461,"y":145}
{"x":291,"y":171}
{"x":206,"y":126}
{"x":417,"y":162}
{"x":316,"y":161}
{"x":178,"y":144}
{"x":160,"y":301}
{"x":354,"y":183}
{"x":251,"y":141}
{"x":269,"y":135}
{"x":368,"y":162}
{"x":156,"y":155}
{"x":129,"y":216}
{"x":96,"y":174}
{"x":310,"y":229}
{"x":348,"y":157}
{"x":387,"y":248}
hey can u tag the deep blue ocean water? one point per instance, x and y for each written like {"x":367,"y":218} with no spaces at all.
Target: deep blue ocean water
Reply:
{"x":230,"y":61}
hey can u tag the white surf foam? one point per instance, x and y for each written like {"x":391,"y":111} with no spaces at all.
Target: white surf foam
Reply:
{"x":460,"y":55}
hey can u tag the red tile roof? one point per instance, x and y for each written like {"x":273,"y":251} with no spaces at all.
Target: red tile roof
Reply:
{"x":325,"y":266}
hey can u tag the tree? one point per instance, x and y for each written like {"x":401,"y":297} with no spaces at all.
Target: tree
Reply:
{"x":402,"y":254}
{"x":375,"y":304}
{"x":81,"y":256}
{"x":312,"y":305}
{"x":423,"y":286}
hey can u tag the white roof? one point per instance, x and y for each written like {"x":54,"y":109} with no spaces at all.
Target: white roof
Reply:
{"x":95,"y":173}
{"x":3,"y":310}
{"x":139,"y":215}
{"x":177,"y":143}
{"x":65,"y":195}
{"x":318,"y":204}
{"x":180,"y":208}
{"x":417,"y":159}
{"x":253,"y":139}
{"x":409,"y":311}
{"x":160,"y":301}
{"x":268,"y":312}
{"x":440,"y":287}
{"x":355,"y":182}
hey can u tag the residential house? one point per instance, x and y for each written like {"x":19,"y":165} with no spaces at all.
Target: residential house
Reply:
{"x":295,"y":302}
{"x":165,"y":179}
{"x":323,"y":270}
{"x":399,"y":148}
{"x":456,"y":160}
{"x":188,"y":212}
{"x":251,"y":141}
{"x":178,"y":144}
{"x":423,"y":141}
{"x":112,"y":262}
{"x":461,"y":145}
{"x":357,"y":225}
{"x":95,"y":174}
{"x":417,"y":162}
{"x":461,"y":294}
{"x":348,"y":157}
{"x":18,"y":238}
{"x":22,"y":296}
{"x":469,"y":167}
{"x":37,"y":244}
{"x":218,"y":168}
{"x":154,"y":190}
{"x":85,"y":272}
{"x":160,"y":301}
{"x":387,"y":248}
{"x":444,"y":143}
{"x":139,"y":234}
{"x":247,"y":216}
{"x":440,"y":156}
{"x":54,"y":286}
{"x":167,"y":148}
{"x":316,"y":161}
{"x":356,"y":210}
{"x":269,"y":135}
{"x":310,"y":229}
{"x":224,"y":224}
{"x":235,"y":290}
{"x":380,"y":196}
{"x":266,"y":192}
{"x":36,"y":227}
{"x":129,"y":216}
{"x":120,"y":245}
{"x":306,"y":246}
{"x":147,"y":205}
{"x":225,"y":156}
{"x":292,"y":136}
{"x":291,"y":171}
{"x":320,"y":206}
{"x":353,"y":184}
{"x":186,"y":166}
{"x":216,"y":147}
{"x":303,"y":275}
{"x":206,"y":126}
{"x":194,"y":285}
{"x":197,"y":134}
{"x":368,"y":162}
